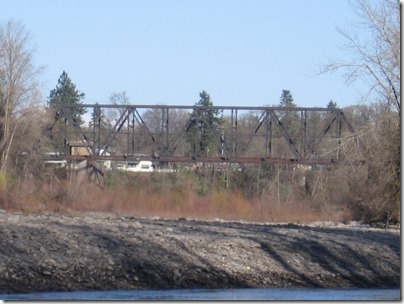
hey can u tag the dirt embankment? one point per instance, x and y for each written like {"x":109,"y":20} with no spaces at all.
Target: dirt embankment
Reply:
{"x":107,"y":252}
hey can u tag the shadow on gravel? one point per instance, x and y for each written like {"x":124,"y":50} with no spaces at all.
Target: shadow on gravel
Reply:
{"x":154,"y":267}
{"x":137,"y":262}
{"x":343,"y":264}
{"x":91,"y":258}
{"x":356,"y":268}
{"x":346,"y":262}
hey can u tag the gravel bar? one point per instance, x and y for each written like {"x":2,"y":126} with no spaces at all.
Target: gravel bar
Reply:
{"x":97,"y":251}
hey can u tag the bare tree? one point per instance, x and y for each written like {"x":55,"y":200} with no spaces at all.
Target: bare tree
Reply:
{"x":18,"y":85}
{"x":374,"y":49}
{"x":118,"y":99}
{"x":374,"y":58}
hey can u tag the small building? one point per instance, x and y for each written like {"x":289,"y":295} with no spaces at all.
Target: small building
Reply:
{"x":78,"y":148}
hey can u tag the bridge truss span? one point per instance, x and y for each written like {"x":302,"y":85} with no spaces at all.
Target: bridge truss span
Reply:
{"x":168,"y":134}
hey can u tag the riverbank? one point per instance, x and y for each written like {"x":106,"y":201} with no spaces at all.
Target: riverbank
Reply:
{"x":95,"y":251}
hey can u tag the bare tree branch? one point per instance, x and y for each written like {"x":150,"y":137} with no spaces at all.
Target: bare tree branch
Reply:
{"x":374,"y":51}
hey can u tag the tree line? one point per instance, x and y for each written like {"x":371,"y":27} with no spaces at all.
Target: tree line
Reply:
{"x":372,"y":192}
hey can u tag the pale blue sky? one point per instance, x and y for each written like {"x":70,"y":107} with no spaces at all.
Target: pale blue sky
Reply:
{"x":242,"y":52}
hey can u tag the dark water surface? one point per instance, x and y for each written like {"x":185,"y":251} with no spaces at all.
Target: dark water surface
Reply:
{"x":216,"y":294}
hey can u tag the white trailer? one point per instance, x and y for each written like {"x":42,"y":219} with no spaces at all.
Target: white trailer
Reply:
{"x":140,"y":166}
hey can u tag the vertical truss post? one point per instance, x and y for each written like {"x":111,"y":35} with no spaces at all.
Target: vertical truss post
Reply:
{"x":222,"y":143}
{"x":338,"y":134}
{"x":303,"y":128}
{"x":132,"y":131}
{"x":268,"y":135}
{"x":128,"y":137}
{"x":196,"y":134}
{"x":233,"y":132}
{"x":165,"y":129}
{"x":202,"y":131}
{"x":96,"y":130}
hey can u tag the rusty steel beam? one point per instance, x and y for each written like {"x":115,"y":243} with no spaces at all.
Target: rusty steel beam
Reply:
{"x":240,"y":160}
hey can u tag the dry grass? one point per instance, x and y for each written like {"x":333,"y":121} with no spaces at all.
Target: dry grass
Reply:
{"x":143,"y":196}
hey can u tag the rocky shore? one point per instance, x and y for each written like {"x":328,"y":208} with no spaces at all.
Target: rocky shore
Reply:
{"x":55,"y":252}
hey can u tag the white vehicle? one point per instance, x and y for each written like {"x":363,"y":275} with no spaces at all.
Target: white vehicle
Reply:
{"x":140,"y":166}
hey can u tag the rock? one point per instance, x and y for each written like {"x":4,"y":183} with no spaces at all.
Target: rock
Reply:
{"x":30,"y":274}
{"x":177,"y":274}
{"x":46,"y":273}
{"x":20,"y":246}
{"x":136,"y":225}
{"x":51,"y":262}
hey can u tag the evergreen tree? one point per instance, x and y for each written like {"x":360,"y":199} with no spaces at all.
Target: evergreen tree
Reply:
{"x":203,"y":121}
{"x":288,"y":118}
{"x":66,"y":93}
{"x":286,"y":99}
{"x":332,"y":105}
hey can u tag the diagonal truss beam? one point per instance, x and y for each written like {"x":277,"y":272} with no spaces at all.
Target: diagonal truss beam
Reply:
{"x":323,"y":132}
{"x":286,"y":135}
{"x":117,"y":127}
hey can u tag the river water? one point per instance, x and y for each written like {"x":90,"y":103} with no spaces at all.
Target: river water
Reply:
{"x":275,"y":294}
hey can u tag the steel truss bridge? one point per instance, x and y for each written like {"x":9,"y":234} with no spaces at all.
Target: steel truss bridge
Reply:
{"x":168,"y":134}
